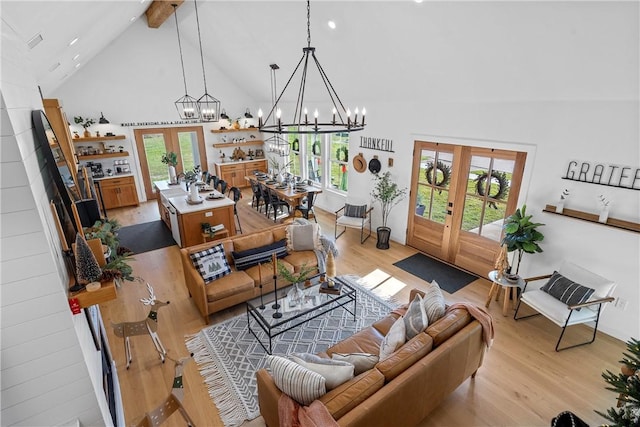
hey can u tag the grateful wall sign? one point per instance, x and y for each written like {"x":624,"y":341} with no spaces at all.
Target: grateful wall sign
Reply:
{"x":604,"y":174}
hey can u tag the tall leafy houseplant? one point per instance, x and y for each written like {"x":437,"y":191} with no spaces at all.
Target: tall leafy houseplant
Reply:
{"x":388,"y":194}
{"x":521,"y":235}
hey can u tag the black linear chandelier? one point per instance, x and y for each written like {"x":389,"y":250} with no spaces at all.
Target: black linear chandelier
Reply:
{"x":208,"y":105}
{"x":341,"y":120}
{"x":186,"y":105}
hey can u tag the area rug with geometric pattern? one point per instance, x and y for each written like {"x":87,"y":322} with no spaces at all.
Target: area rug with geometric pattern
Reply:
{"x":228,"y":355}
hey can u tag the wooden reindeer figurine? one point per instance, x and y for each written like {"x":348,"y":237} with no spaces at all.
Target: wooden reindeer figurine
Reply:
{"x":172,"y":403}
{"x":142,"y":327}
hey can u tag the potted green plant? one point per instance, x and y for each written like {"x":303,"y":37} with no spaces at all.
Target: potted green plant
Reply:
{"x":171,"y":160}
{"x":296,"y":294}
{"x":388,"y":194}
{"x":85,"y":123}
{"x":520,"y":236}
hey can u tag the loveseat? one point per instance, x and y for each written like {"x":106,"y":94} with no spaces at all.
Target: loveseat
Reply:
{"x":244,"y":284}
{"x":404,"y":388}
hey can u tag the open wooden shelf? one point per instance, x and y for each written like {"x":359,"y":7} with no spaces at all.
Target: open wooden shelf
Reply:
{"x":103,"y":155}
{"x":98,"y":138}
{"x":106,"y":293}
{"x":235,"y":130}
{"x":611,"y":222}
{"x":237,"y":144}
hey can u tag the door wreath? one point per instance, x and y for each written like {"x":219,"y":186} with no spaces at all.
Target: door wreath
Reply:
{"x":503,"y":185}
{"x":444,"y":169}
{"x":342,"y":154}
{"x":315,"y":148}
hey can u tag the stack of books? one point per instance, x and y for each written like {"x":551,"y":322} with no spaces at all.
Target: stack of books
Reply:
{"x":333,"y":290}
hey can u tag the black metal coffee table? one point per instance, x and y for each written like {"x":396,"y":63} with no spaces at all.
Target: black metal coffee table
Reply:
{"x":315,"y":304}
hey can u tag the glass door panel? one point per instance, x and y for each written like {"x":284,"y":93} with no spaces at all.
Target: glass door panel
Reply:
{"x":188,"y":143}
{"x":154,"y":147}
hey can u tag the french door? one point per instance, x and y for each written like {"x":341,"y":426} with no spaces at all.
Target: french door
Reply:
{"x":186,"y":142}
{"x":461,"y":196}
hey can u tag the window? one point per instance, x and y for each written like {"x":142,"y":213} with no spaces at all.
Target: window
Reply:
{"x":338,"y":160}
{"x":295,"y":167}
{"x":314,"y":158}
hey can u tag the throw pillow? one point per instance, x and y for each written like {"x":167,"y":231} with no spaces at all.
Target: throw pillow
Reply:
{"x":356,"y":211}
{"x":255,"y":256}
{"x":566,"y":290}
{"x":434,"y":303}
{"x":298,"y":382}
{"x":211,"y":263}
{"x":335,"y":372}
{"x":393,"y":340}
{"x":303,"y":237}
{"x":415,"y":319}
{"x":361,"y":361}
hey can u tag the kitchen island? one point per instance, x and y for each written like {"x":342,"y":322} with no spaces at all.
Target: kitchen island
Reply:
{"x":186,"y":219}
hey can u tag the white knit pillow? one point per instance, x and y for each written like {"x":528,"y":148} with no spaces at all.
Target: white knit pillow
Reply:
{"x":434,"y":303}
{"x":298,"y":382}
{"x":335,"y":372}
{"x":394,"y":339}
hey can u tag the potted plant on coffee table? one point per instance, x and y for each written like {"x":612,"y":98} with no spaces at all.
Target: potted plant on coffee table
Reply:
{"x":296,"y":294}
{"x":388,"y":194}
{"x":520,"y":236}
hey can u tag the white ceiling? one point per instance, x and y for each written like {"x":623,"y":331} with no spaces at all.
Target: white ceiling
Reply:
{"x":453,"y":50}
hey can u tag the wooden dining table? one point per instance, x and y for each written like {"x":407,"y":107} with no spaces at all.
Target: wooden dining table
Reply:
{"x":292,"y":196}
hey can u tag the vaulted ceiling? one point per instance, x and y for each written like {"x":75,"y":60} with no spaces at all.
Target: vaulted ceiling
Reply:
{"x":452,"y":50}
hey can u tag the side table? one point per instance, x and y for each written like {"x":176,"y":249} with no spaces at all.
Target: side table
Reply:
{"x":509,"y":287}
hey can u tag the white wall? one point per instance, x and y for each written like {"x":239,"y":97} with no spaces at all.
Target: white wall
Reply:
{"x":556,"y":79}
{"x":46,"y":353}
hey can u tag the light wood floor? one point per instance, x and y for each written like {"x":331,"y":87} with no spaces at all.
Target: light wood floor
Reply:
{"x":523,"y":381}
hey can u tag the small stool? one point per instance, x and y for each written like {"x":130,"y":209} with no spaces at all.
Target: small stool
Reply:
{"x":503,"y":283}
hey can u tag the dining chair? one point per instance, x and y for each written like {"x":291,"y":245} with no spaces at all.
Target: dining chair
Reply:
{"x":236,"y":195}
{"x":222,"y":184}
{"x":276,"y":203}
{"x":257,"y":195}
{"x":306,"y":207}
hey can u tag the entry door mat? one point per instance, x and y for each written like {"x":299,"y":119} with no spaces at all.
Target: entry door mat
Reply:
{"x":146,"y":237}
{"x":228,"y":355}
{"x":449,"y":278}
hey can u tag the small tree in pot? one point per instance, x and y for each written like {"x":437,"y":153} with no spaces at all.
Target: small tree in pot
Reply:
{"x":387,"y":193}
{"x":520,"y":235}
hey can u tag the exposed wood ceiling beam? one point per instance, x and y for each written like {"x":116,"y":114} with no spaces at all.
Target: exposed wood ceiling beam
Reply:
{"x":159,"y":11}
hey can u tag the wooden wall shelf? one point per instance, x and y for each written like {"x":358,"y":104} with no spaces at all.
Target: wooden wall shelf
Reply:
{"x":611,"y":222}
{"x":235,"y":130}
{"x":98,"y":138}
{"x":106,"y":293}
{"x":237,"y":144}
{"x":103,"y":155}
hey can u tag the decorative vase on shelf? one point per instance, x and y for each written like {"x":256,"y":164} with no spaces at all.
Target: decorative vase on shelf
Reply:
{"x":87,"y":134}
{"x":236,"y":125}
{"x":560,"y":207}
{"x":604,"y":215}
{"x":172,"y":175}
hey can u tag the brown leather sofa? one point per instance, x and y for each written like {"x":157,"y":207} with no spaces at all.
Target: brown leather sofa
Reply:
{"x":404,"y":388}
{"x":239,"y":286}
